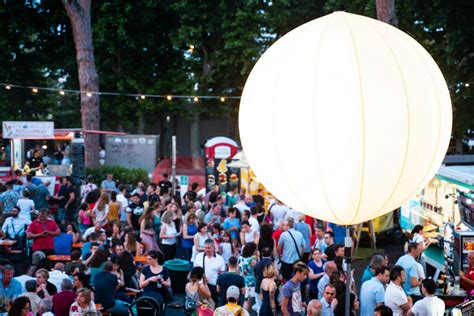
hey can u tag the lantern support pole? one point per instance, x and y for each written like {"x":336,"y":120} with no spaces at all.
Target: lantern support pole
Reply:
{"x":348,"y":259}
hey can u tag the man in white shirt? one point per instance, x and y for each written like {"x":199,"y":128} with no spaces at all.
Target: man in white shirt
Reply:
{"x":57,"y":275}
{"x":430,"y":305}
{"x":123,"y":204}
{"x":278,"y":211}
{"x":213,"y":265}
{"x":253,"y":220}
{"x":395,"y":296}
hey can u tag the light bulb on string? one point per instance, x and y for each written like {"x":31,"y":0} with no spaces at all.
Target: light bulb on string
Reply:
{"x":222,"y":99}
{"x":89,"y":94}
{"x":466,"y":85}
{"x":8,"y":87}
{"x":142,"y":97}
{"x":34,"y":90}
{"x":62,"y":92}
{"x":168,"y":97}
{"x":196,"y":99}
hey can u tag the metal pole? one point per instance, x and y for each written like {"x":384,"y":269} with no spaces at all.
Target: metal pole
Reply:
{"x":173,"y":164}
{"x":348,"y":258}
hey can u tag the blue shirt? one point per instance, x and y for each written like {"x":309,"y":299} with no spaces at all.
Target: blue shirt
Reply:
{"x":410,"y":266}
{"x":228,"y":223}
{"x":367,"y":275}
{"x":313,"y":284}
{"x":9,"y":199}
{"x":290,"y":253}
{"x":292,"y":291}
{"x":63,"y":244}
{"x":12,"y":291}
{"x":327,"y":310}
{"x":339,"y":233}
{"x":372,"y":293}
{"x":192,"y":230}
{"x":303,"y":228}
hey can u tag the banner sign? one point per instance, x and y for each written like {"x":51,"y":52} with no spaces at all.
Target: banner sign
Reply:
{"x":28,"y":130}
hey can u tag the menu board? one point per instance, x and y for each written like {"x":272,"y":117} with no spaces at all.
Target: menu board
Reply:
{"x":218,"y":173}
{"x":78,"y":160}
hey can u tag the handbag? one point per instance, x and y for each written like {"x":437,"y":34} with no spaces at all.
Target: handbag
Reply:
{"x":190,"y":304}
{"x":296,"y":246}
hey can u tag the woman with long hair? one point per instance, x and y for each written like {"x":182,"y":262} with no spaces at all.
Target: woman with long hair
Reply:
{"x":99,"y":257}
{"x":247,"y":235}
{"x":154,"y":277}
{"x":114,"y":208}
{"x":21,"y":307}
{"x":101,"y":210}
{"x":266,"y":239}
{"x":246,"y":264}
{"x":84,"y":303}
{"x":116,"y":231}
{"x":189,"y":231}
{"x":168,"y":235}
{"x":132,"y":245}
{"x":147,"y":234}
{"x":197,"y":289}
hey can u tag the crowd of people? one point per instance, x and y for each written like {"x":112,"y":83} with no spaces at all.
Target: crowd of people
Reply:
{"x":247,"y":256}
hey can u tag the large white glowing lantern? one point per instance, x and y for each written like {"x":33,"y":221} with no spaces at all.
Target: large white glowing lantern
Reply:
{"x":345,"y":118}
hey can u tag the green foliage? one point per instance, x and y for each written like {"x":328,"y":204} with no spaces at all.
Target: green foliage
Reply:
{"x":121,"y":174}
{"x":143,"y":47}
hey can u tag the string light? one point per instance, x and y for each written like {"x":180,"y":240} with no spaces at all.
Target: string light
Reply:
{"x":191,"y":49}
{"x":466,"y":85}
{"x":89,"y":94}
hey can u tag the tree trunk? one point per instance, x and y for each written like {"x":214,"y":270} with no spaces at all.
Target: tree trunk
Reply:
{"x":386,"y":11}
{"x":79,"y":13}
{"x":195,"y":139}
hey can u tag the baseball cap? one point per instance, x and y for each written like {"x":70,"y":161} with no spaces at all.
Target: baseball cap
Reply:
{"x":233,"y":292}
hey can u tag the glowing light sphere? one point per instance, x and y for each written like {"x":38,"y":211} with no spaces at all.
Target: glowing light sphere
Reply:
{"x":345,"y":118}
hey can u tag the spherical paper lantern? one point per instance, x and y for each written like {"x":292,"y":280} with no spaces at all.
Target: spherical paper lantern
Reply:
{"x":345,"y":118}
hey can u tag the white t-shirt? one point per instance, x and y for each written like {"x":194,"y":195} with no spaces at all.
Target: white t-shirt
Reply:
{"x":89,"y":231}
{"x":123,"y":204}
{"x":213,"y":266}
{"x":394,"y":298}
{"x":429,"y":306}
{"x":26,"y":206}
{"x":56,"y":277}
{"x":278,"y":213}
{"x":254,"y":223}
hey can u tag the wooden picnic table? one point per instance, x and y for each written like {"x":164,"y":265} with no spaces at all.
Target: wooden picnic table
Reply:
{"x":7,"y":242}
{"x":59,"y":258}
{"x":77,"y":245}
{"x":140,"y":259}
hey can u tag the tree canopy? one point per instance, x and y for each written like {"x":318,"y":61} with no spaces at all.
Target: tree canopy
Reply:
{"x":193,"y":47}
